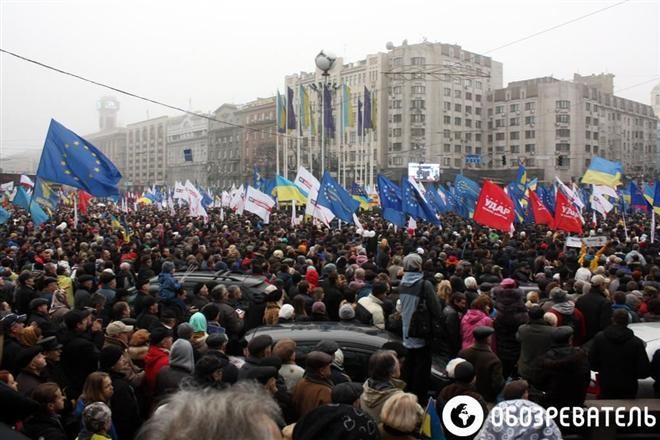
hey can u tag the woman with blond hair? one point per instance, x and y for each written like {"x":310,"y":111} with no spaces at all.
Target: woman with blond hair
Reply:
{"x":444,"y":292}
{"x":401,"y":417}
{"x":97,"y":388}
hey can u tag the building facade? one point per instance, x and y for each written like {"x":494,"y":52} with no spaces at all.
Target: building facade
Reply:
{"x":429,"y":107}
{"x":187,"y":149}
{"x":146,"y":161}
{"x":225,"y":146}
{"x":555,"y":127}
{"x":111,"y":139}
{"x":258,"y":138}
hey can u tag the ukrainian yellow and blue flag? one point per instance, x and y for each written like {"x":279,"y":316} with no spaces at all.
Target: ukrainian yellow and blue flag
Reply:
{"x":431,"y":426}
{"x":286,"y":191}
{"x":603,"y":172}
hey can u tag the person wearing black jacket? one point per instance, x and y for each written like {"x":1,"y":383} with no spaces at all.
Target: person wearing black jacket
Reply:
{"x":451,"y":325}
{"x":511,"y":314}
{"x":39,"y":314}
{"x":81,"y":347}
{"x":25,"y":292}
{"x":46,"y":422}
{"x":620,"y":359}
{"x":563,"y":371}
{"x":12,"y":326}
{"x":217,"y":344}
{"x":125,"y":408}
{"x":595,"y":307}
{"x":228,"y":316}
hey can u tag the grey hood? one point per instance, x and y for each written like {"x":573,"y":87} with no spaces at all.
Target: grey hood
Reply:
{"x":181,"y":355}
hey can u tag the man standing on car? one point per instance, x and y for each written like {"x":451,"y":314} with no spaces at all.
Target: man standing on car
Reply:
{"x":412,"y":289}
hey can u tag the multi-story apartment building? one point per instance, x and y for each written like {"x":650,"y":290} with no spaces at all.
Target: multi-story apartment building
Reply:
{"x":146,"y":162}
{"x":555,"y":127}
{"x":258,"y":142}
{"x":187,"y":149}
{"x":436,"y":111}
{"x":225,"y":146}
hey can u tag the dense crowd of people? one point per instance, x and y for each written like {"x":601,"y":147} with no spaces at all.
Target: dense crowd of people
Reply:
{"x":101,"y":339}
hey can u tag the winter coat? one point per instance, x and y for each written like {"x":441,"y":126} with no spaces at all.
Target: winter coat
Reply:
{"x":564,"y":374}
{"x":332,"y":297}
{"x":125,"y":407}
{"x":28,"y":381}
{"x":410,"y":292}
{"x":169,"y":379}
{"x":310,"y":393}
{"x":48,"y":327}
{"x":596,"y":310}
{"x":375,"y":307}
{"x":229,"y":320}
{"x":375,"y":394}
{"x":254,"y":316}
{"x":133,"y":373}
{"x":472,"y":319}
{"x":80,"y":358}
{"x":312,"y":277}
{"x":155,"y":359}
{"x":14,"y":406}
{"x":620,"y":358}
{"x":487,"y":368}
{"x":23,"y":296}
{"x":535,"y":339}
{"x":511,"y":314}
{"x":168,"y":286}
{"x":44,"y":426}
{"x":451,"y":323}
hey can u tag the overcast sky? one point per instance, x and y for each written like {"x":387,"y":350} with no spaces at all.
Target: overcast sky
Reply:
{"x":212,"y":52}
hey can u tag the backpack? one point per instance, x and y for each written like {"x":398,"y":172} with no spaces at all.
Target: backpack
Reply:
{"x":421,"y":325}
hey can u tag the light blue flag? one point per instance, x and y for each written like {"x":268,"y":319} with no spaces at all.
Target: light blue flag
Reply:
{"x":22,"y":199}
{"x":4,"y":215}
{"x":336,"y":199}
{"x":39,"y":216}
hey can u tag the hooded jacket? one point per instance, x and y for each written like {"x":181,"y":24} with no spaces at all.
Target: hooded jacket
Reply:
{"x":564,"y":375}
{"x":410,"y":293}
{"x":375,"y":394}
{"x":511,"y":314}
{"x":155,"y":359}
{"x":168,"y":285}
{"x":597,"y":311}
{"x":181,"y":366}
{"x":620,"y":358}
{"x":472,"y":319}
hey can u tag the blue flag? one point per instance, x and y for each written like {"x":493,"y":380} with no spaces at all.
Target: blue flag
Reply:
{"x":637,"y":200}
{"x":415,"y":204}
{"x":71,"y":160}
{"x":390,"y":201}
{"x":45,"y":195}
{"x":434,"y":198}
{"x":336,"y":199}
{"x":547,"y":196}
{"x":4,"y":215}
{"x":466,"y":192}
{"x":22,"y":199}
{"x":38,"y":215}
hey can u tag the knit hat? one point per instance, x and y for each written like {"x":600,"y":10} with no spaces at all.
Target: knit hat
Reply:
{"x":346,"y":312}
{"x":508,"y":283}
{"x":158,"y":334}
{"x":464,"y":372}
{"x":198,"y":322}
{"x":286,"y":311}
{"x":597,"y":280}
{"x":109,"y":357}
{"x":558,"y":295}
{"x":318,"y":307}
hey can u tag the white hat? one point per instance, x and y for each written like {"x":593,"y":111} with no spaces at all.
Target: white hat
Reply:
{"x":420,"y":251}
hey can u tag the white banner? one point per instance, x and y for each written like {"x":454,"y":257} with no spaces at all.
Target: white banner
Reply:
{"x":311,"y":185}
{"x":576,"y":242}
{"x":259,"y":203}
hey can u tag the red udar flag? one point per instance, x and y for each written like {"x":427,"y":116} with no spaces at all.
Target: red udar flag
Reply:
{"x":567,"y":218}
{"x":541,"y":214}
{"x":494,"y":208}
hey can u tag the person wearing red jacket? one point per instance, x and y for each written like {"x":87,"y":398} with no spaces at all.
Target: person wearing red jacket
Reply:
{"x":158,"y":355}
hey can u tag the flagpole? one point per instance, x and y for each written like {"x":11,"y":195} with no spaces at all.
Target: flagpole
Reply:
{"x":277,"y":150}
{"x":323,"y":87}
{"x":75,"y":211}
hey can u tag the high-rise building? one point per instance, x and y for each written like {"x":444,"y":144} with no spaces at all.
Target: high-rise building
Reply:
{"x":225,"y":146}
{"x":555,"y":127}
{"x":428,"y":108}
{"x":146,"y":162}
{"x":257,"y":137}
{"x":655,"y":100}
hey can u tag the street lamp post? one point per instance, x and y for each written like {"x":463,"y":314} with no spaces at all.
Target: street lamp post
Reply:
{"x":324,"y":62}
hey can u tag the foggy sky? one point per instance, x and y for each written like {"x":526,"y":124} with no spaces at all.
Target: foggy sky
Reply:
{"x":210,"y":52}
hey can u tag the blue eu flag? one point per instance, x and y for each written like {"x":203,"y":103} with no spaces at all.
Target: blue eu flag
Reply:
{"x":415,"y":205}
{"x":336,"y":199}
{"x":71,"y":160}
{"x":390,"y":201}
{"x":4,"y":215}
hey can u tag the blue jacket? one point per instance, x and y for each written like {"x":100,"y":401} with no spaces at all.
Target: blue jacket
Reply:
{"x":168,"y":286}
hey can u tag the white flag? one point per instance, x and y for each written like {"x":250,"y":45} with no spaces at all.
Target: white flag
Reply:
{"x":25,"y":180}
{"x":570,"y":194}
{"x":7,"y":187}
{"x":237,"y":202}
{"x":180,"y":192}
{"x":195,"y":201}
{"x":606,"y":191}
{"x":310,"y":186}
{"x":600,"y":203}
{"x":259,"y":203}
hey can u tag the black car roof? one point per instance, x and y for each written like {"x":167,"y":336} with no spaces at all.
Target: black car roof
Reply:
{"x":312,"y":332}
